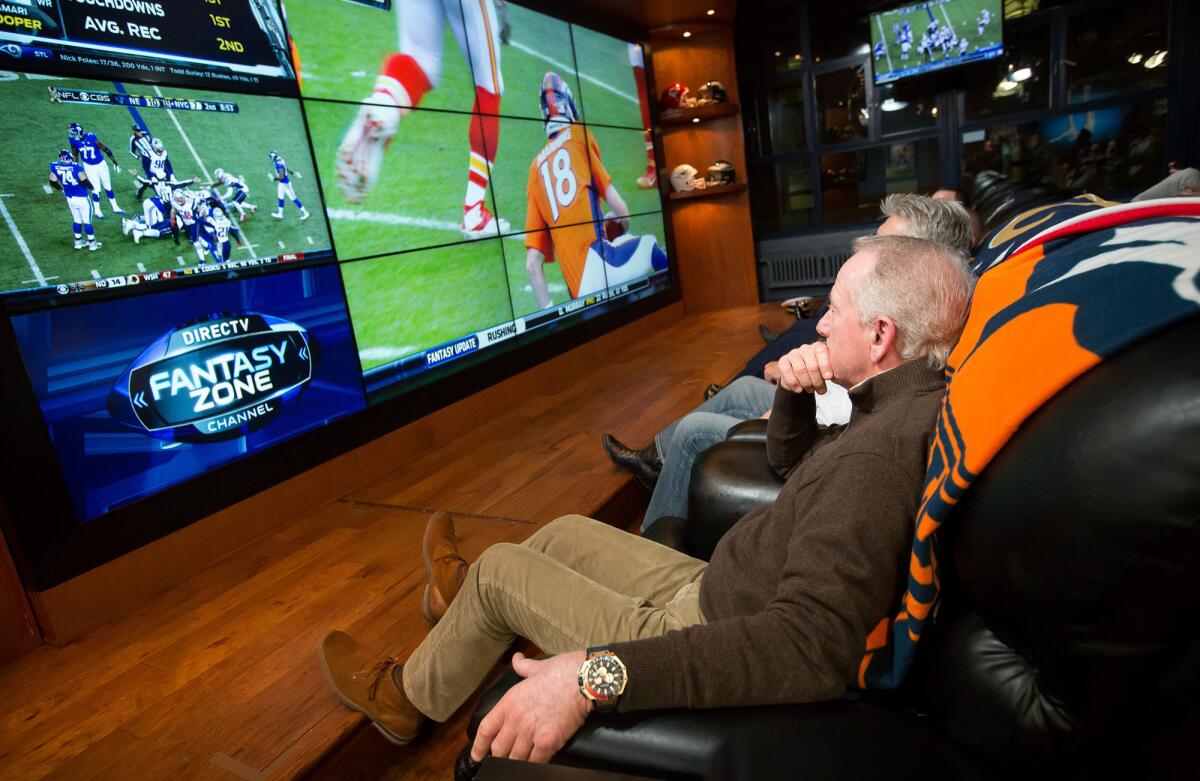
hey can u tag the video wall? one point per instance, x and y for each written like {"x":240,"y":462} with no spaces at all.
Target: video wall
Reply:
{"x":225,"y":224}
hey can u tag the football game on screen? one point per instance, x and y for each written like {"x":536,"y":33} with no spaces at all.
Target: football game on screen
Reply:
{"x":933,"y":35}
{"x":460,"y":175}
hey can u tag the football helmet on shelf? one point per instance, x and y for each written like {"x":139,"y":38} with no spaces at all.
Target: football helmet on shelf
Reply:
{"x":676,"y":96}
{"x":721,"y":172}
{"x":686,"y":177}
{"x":711,"y":93}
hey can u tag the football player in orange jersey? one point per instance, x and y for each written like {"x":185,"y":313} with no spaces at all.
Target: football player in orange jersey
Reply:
{"x":404,"y":79}
{"x":563,"y":219}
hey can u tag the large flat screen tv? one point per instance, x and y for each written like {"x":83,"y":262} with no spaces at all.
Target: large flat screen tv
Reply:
{"x":925,"y":37}
{"x":224,"y":226}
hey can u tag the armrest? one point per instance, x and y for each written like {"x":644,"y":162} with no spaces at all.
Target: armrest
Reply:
{"x":728,"y":480}
{"x":753,"y":430}
{"x":827,"y":740}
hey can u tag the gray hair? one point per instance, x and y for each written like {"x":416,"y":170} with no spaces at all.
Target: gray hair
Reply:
{"x":923,"y":286}
{"x":936,"y":219}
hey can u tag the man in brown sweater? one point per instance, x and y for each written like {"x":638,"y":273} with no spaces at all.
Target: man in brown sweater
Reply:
{"x":780,"y":614}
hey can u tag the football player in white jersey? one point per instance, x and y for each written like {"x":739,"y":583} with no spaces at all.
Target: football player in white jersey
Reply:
{"x":985,"y":17}
{"x":404,"y":79}
{"x":91,"y":151}
{"x":236,"y":192}
{"x":216,"y":229}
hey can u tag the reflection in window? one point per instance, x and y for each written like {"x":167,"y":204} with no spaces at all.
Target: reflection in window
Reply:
{"x":1116,"y":151}
{"x":781,"y":196}
{"x":903,"y":109}
{"x":1117,"y":48}
{"x":1018,"y":81}
{"x":853,"y":183}
{"x":842,"y":104}
{"x":785,"y":120}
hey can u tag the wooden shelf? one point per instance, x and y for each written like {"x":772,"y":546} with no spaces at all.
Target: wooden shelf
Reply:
{"x":709,"y":192}
{"x":687,"y":116}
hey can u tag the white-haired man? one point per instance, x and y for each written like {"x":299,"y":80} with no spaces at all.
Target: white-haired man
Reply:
{"x":782,"y":611}
{"x":665,"y":465}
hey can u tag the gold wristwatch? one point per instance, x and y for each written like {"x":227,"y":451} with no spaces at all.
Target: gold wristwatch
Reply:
{"x":602,"y":678}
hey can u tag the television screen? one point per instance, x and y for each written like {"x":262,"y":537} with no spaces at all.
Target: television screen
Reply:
{"x":111,"y":178}
{"x":930,"y":36}
{"x":480,"y":167}
{"x":142,"y":393}
{"x":229,"y":225}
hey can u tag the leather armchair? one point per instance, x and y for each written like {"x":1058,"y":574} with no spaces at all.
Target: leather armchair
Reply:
{"x":1067,"y":640}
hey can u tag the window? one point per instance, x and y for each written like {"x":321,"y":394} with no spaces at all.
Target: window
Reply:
{"x":842,"y":105}
{"x":781,"y":197}
{"x":1116,"y":151}
{"x":785,"y":120}
{"x":852,"y":183}
{"x":1018,"y":81}
{"x":903,"y":109}
{"x":1117,"y":49}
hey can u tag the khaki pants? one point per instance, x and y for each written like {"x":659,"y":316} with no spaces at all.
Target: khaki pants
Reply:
{"x":575,"y":583}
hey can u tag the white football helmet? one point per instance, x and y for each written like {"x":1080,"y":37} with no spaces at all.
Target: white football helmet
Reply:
{"x":686,"y":177}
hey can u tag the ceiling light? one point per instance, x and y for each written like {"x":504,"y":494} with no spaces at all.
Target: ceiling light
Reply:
{"x":1006,"y":87}
{"x":933,"y":111}
{"x":1135,"y":58}
{"x":711,"y":11}
{"x":1021,"y":74}
{"x":687,"y":33}
{"x":864,"y":49}
{"x":778,"y":53}
{"x":891,"y":104}
{"x":695,"y":120}
{"x":864,"y":115}
{"x":1156,"y":59}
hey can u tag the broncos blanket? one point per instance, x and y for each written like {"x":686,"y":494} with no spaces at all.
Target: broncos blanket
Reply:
{"x":1064,"y":287}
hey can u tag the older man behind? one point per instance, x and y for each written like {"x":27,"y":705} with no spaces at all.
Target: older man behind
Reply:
{"x":780,"y":614}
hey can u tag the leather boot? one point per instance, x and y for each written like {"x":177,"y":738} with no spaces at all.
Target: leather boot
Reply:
{"x":445,"y":569}
{"x":644,"y":464}
{"x":365,"y":684}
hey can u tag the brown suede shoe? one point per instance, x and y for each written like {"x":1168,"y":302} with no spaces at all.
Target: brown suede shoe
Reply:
{"x":367,"y":685}
{"x":445,"y":569}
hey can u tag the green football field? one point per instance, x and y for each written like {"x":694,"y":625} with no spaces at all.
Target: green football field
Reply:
{"x":35,"y":225}
{"x":401,"y":303}
{"x":961,"y":15}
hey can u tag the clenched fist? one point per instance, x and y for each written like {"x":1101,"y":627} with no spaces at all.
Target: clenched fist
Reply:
{"x":806,"y":368}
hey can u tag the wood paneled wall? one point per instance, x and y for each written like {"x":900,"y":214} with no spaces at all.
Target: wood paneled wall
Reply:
{"x":714,"y":245}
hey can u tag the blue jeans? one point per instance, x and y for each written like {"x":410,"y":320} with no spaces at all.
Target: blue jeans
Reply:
{"x":679,"y":443}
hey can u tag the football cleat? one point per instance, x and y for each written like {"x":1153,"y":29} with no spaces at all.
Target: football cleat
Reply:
{"x":360,"y":155}
{"x":78,"y":244}
{"x":278,"y":214}
{"x":94,"y":245}
{"x":480,"y":223}
{"x":303,"y":215}
{"x":648,"y":180}
{"x":137,"y":235}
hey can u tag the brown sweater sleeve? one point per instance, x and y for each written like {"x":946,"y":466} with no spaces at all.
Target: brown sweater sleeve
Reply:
{"x":839,"y":580}
{"x":792,"y":430}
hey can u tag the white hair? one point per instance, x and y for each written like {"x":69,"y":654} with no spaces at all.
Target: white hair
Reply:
{"x":936,"y":219}
{"x":922,"y":286}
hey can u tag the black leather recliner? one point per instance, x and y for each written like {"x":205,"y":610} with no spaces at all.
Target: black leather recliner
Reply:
{"x":1068,"y":640}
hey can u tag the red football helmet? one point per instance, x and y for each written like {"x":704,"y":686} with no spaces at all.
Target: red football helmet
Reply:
{"x":676,"y":96}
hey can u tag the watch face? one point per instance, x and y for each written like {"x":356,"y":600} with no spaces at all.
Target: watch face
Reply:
{"x":604,"y":678}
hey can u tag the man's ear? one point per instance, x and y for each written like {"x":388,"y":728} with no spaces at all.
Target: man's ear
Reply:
{"x":883,"y":339}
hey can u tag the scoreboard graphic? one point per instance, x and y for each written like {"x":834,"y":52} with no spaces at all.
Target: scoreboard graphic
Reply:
{"x":191,"y":42}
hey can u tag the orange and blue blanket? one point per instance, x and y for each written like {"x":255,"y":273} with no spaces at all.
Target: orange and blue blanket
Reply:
{"x":1062,"y":287}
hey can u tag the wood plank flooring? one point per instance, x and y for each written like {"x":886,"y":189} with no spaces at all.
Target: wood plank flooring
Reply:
{"x":218,"y":677}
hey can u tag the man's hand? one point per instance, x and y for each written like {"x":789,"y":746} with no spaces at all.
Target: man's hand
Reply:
{"x":771,"y":372}
{"x":806,"y":368}
{"x":535,"y":718}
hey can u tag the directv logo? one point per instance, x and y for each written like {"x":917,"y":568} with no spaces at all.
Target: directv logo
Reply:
{"x":217,"y":378}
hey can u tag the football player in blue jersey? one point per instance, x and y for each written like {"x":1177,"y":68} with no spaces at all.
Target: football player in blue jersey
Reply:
{"x":90,"y":151}
{"x":217,"y":230}
{"x":236,"y":192}
{"x":69,"y":177}
{"x":283,"y":186}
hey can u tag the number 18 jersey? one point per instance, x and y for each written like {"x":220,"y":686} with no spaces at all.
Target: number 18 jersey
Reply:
{"x":566,"y":182}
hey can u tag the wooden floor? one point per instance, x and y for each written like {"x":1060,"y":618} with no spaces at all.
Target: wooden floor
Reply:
{"x":218,"y":677}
